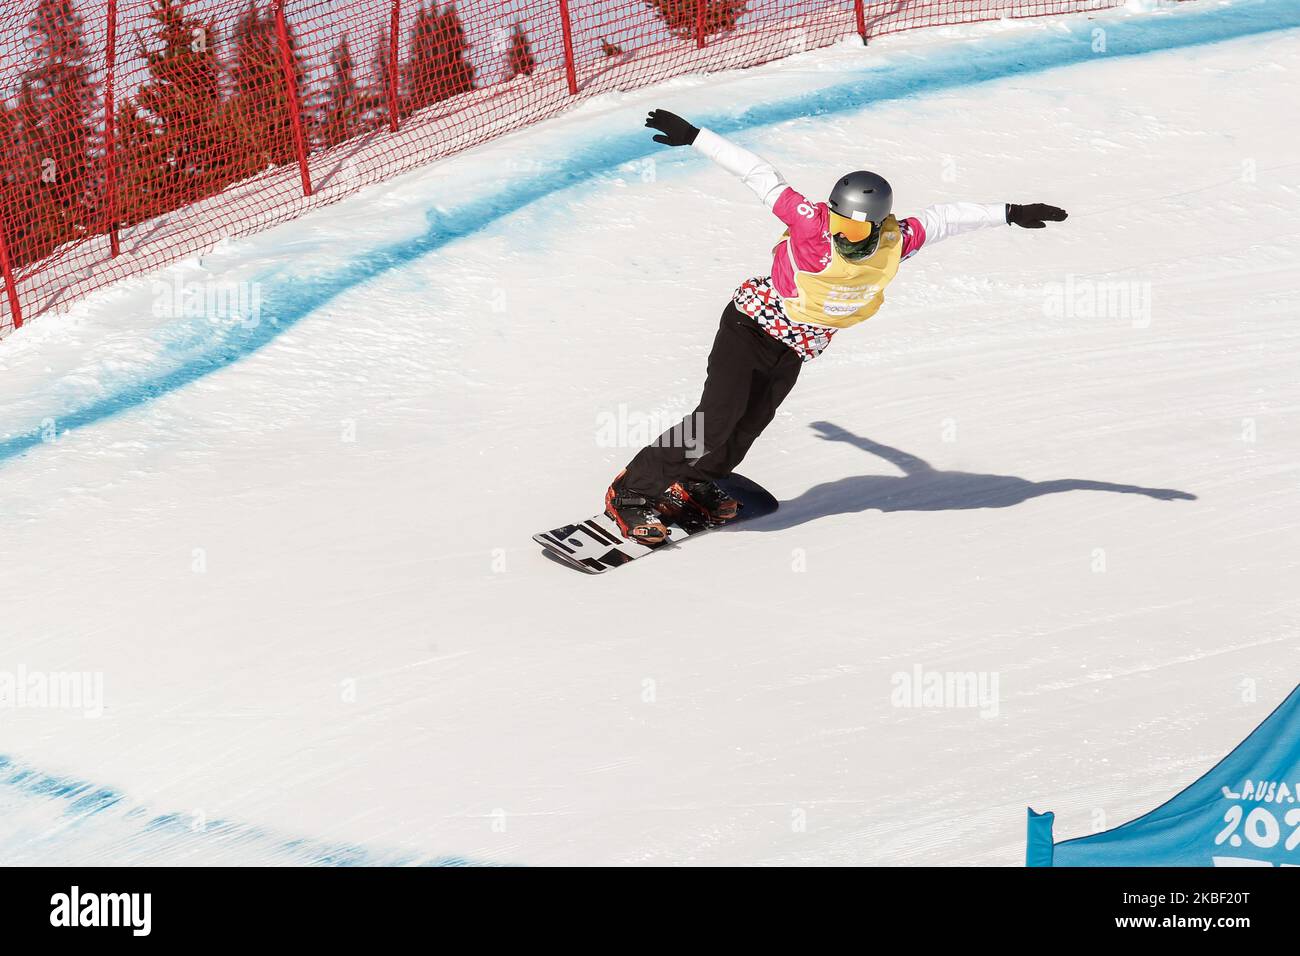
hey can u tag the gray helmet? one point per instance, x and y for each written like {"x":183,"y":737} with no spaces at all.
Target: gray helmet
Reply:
{"x":863,"y":196}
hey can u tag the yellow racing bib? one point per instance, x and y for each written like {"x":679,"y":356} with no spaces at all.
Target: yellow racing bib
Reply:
{"x":846,"y":292}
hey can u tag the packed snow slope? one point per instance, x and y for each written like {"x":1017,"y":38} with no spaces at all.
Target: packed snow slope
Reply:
{"x":296,"y":549}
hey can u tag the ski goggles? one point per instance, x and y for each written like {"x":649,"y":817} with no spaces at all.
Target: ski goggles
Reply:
{"x":851,"y":229}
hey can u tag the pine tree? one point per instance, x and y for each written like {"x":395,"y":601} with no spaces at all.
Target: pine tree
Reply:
{"x":457,"y":75}
{"x":519,"y":58}
{"x":11,"y":149}
{"x":259,"y":111}
{"x":51,"y":134}
{"x":342,"y":110}
{"x":422,"y":62}
{"x":26,"y":206}
{"x":143,"y":173}
{"x":373,"y":104}
{"x":181,"y":101}
{"x":30,"y":219}
{"x":684,"y":17}
{"x":437,"y":68}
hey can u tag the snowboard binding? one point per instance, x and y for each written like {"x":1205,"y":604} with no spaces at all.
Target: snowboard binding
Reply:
{"x":703,"y":499}
{"x":636,"y":515}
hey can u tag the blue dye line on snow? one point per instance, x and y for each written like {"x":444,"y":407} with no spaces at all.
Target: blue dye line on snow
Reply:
{"x":133,"y":830}
{"x":288,"y":299}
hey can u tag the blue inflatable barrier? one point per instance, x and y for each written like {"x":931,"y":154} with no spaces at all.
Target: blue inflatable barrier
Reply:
{"x":1243,"y":812}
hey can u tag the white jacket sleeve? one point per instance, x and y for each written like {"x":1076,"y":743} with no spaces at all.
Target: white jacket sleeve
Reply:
{"x":953,"y":218}
{"x":754,"y":171}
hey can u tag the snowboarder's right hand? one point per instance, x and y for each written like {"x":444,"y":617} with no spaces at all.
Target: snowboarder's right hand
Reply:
{"x":676,"y":131}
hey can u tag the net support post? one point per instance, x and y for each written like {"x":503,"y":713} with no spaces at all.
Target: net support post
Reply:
{"x":291,"y":96}
{"x":11,"y":287}
{"x":394,"y":84}
{"x":566,"y":31}
{"x":110,"y":137}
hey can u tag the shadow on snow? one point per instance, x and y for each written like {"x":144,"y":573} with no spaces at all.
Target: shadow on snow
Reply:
{"x":922,"y":487}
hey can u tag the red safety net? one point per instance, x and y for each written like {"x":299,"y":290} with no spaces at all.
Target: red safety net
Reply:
{"x":135,"y":132}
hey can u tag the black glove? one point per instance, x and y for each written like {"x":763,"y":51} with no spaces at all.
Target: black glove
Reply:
{"x":676,"y":131}
{"x":1036,"y":215}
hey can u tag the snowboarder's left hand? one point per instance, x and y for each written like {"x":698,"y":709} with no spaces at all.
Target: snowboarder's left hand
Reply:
{"x":676,"y":131}
{"x":1036,"y":215}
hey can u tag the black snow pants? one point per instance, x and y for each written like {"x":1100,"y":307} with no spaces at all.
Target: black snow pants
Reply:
{"x":749,"y":375}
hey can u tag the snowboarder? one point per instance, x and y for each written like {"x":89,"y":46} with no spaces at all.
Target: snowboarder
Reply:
{"x":829,"y":271}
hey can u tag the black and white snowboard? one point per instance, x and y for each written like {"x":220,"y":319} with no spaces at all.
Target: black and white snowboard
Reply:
{"x":596,"y":545}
